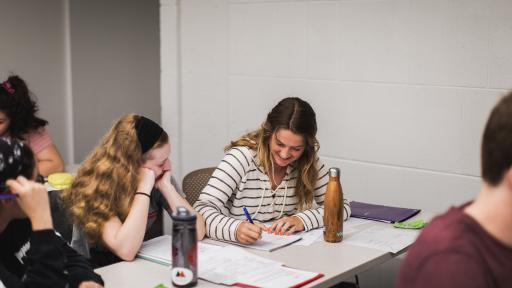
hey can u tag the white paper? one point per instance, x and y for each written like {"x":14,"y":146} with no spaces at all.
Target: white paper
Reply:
{"x":316,"y":235}
{"x":234,"y":265}
{"x":159,"y":249}
{"x":353,"y":222}
{"x":383,"y":238}
{"x":310,"y":237}
{"x":49,"y":187}
{"x":287,"y":277}
{"x":348,"y":230}
{"x":271,"y":242}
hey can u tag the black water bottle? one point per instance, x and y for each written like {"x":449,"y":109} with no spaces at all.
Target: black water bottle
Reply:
{"x":184,"y":248}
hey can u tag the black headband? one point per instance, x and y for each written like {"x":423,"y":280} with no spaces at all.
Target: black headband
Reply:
{"x":148,"y":132}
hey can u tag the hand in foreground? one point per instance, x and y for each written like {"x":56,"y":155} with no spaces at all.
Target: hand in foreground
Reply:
{"x":287,"y":226}
{"x":33,"y":200}
{"x":248,"y":233}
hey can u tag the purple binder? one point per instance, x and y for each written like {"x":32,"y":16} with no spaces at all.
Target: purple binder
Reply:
{"x":381,"y":213}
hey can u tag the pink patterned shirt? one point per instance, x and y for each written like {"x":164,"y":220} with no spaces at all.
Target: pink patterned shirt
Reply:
{"x":38,"y":140}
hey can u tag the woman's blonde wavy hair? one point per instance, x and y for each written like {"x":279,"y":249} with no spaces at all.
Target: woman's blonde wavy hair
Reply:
{"x":105,"y":182}
{"x":298,"y":116}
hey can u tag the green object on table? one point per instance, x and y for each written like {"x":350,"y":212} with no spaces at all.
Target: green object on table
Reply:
{"x":160,"y":286}
{"x":412,"y":224}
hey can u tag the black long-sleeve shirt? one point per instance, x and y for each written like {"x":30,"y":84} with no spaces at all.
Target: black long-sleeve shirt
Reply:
{"x":40,"y":259}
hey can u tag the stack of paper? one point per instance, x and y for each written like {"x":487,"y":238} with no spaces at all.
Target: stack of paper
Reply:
{"x":383,"y":238}
{"x":235,"y":266}
{"x":316,"y":235}
{"x":231,"y":265}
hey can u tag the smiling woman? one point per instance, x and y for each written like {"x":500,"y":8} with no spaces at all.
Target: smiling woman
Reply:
{"x":285,"y":147}
{"x":121,"y":187}
{"x":275,"y":173}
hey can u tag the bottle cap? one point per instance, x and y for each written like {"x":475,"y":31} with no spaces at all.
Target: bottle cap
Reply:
{"x":334,"y":172}
{"x":183,"y":215}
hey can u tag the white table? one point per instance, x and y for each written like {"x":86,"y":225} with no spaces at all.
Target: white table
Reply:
{"x":337,"y":261}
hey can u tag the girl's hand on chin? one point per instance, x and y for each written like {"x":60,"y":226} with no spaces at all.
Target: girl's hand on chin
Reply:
{"x":147,"y":181}
{"x":164,"y":181}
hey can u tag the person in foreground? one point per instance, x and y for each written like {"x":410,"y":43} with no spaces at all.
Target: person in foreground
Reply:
{"x":471,"y":245}
{"x":120,"y":188}
{"x":275,"y":173}
{"x":32,"y":254}
{"x":18,"y":120}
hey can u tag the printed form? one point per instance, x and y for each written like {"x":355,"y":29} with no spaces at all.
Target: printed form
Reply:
{"x":235,"y":266}
{"x":383,"y":238}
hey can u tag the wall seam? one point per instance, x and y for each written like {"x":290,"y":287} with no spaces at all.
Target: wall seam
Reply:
{"x":179,"y":87}
{"x":68,"y":85}
{"x":383,"y":83}
{"x":401,"y":167}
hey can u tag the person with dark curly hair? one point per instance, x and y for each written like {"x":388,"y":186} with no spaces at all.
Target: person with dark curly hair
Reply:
{"x":18,"y":120}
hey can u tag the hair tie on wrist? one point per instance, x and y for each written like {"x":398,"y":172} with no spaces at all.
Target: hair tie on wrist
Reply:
{"x":148,"y":133}
{"x":142,"y":193}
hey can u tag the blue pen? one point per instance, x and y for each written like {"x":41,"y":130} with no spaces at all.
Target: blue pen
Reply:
{"x":8,"y":196}
{"x":247,"y":215}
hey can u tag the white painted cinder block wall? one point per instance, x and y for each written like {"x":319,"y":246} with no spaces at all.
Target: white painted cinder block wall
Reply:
{"x":401,"y":88}
{"x":33,"y":43}
{"x":87,"y":62}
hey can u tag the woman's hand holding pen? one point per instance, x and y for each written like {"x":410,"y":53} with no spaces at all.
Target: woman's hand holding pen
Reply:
{"x":287,"y":226}
{"x":248,"y":233}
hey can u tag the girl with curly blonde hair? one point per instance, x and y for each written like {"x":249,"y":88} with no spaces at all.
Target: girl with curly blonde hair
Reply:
{"x":120,"y":188}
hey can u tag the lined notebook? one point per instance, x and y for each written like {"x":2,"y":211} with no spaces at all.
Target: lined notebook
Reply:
{"x":381,"y":213}
{"x":158,"y":250}
{"x":270,"y":242}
